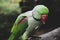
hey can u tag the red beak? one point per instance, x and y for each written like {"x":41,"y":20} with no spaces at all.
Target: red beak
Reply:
{"x":44,"y":18}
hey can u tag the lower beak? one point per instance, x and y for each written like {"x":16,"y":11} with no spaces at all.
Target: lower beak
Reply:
{"x":43,"y":22}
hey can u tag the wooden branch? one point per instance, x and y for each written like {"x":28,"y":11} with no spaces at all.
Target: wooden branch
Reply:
{"x":52,"y":35}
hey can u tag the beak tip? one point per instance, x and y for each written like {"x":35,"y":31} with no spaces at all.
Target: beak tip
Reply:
{"x":43,"y":22}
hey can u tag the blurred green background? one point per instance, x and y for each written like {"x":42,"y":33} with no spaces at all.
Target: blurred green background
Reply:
{"x":9,"y":10}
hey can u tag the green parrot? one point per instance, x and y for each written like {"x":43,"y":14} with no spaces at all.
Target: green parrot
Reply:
{"x":29,"y":21}
{"x":9,"y":7}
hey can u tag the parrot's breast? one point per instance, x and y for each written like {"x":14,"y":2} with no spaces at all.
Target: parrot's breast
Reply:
{"x":32,"y":23}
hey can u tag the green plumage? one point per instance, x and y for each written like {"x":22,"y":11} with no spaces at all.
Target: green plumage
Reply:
{"x":18,"y":28}
{"x":24,"y":29}
{"x":12,"y":36}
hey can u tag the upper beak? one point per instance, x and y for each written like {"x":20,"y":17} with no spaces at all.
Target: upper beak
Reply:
{"x":44,"y":18}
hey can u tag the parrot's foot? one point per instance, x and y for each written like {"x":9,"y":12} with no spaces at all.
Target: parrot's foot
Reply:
{"x":34,"y":38}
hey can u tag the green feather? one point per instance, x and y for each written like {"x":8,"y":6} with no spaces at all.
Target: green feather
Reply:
{"x":11,"y":37}
{"x":18,"y":29}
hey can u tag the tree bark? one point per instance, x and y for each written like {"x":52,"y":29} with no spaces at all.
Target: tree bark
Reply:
{"x":52,"y":35}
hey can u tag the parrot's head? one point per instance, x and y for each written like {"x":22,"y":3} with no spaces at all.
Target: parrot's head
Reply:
{"x":40,"y":12}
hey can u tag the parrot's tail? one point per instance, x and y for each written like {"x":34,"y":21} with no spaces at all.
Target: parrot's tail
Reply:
{"x":12,"y":36}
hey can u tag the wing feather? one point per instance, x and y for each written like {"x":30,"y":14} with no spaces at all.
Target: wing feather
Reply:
{"x":20,"y":25}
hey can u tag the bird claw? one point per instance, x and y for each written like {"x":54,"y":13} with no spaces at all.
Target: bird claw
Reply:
{"x":34,"y":38}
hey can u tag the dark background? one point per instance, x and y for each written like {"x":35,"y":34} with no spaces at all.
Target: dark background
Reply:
{"x":6,"y":21}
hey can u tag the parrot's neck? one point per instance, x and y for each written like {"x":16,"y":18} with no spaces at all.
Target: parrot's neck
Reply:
{"x":36,"y":19}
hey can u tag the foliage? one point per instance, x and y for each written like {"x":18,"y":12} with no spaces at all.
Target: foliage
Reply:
{"x":7,"y":7}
